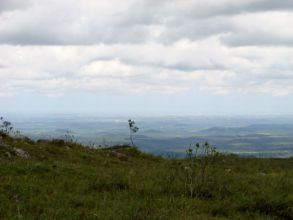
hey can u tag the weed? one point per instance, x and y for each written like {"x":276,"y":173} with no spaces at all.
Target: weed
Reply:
{"x":200,"y":159}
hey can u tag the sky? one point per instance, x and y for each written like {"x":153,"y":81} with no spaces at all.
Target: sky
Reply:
{"x":146,"y":57}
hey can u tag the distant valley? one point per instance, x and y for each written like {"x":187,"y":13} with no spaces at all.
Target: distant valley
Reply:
{"x":171,"y":136}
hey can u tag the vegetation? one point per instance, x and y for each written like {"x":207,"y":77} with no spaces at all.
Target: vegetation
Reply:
{"x":198,"y":178}
{"x":259,"y":137}
{"x":132,"y":130}
{"x":61,"y":179}
{"x":5,"y":127}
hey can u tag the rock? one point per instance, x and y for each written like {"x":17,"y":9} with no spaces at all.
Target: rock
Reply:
{"x":21,"y":153}
{"x":17,"y":151}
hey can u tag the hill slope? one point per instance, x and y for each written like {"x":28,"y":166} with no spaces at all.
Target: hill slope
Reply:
{"x":58,"y":180}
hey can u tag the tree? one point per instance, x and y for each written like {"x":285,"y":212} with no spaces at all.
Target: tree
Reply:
{"x":132,"y":130}
{"x":5,"y":127}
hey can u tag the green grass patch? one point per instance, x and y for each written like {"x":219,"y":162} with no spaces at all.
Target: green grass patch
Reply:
{"x":68,"y":181}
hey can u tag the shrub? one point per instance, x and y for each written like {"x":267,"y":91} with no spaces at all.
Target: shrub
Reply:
{"x":58,"y":142}
{"x":5,"y":127}
{"x":69,"y":138}
{"x":200,"y":159}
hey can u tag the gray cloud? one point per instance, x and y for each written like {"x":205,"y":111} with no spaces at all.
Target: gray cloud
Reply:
{"x":8,"y":5}
{"x":262,"y":29}
{"x":160,"y":12}
{"x":140,"y":46}
{"x":256,"y":39}
{"x":270,"y":5}
{"x":135,"y":22}
{"x":234,"y":8}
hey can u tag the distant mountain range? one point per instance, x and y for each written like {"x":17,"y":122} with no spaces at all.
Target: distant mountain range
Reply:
{"x":259,"y":136}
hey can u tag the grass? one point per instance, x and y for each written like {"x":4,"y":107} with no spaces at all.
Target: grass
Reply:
{"x":68,"y":181}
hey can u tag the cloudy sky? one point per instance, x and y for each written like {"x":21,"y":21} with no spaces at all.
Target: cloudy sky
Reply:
{"x":151,"y":57}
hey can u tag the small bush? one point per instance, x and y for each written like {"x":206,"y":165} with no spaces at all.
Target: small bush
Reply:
{"x":5,"y":127}
{"x":58,"y":142}
{"x":199,"y":179}
{"x":280,"y":209}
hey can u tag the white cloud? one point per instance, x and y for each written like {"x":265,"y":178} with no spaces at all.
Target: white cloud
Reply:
{"x":136,"y":46}
{"x":261,"y":29}
{"x":107,"y":68}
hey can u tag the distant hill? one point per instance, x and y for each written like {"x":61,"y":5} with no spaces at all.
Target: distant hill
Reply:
{"x":251,"y":129}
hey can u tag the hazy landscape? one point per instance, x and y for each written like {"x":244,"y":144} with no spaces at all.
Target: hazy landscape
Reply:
{"x":146,"y":110}
{"x":61,"y":179}
{"x":266,"y":136}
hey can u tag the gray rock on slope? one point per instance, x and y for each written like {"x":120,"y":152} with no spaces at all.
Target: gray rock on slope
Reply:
{"x":21,"y":153}
{"x":17,"y":151}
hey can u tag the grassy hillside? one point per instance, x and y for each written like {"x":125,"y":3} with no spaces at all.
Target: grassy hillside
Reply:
{"x":58,"y":180}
